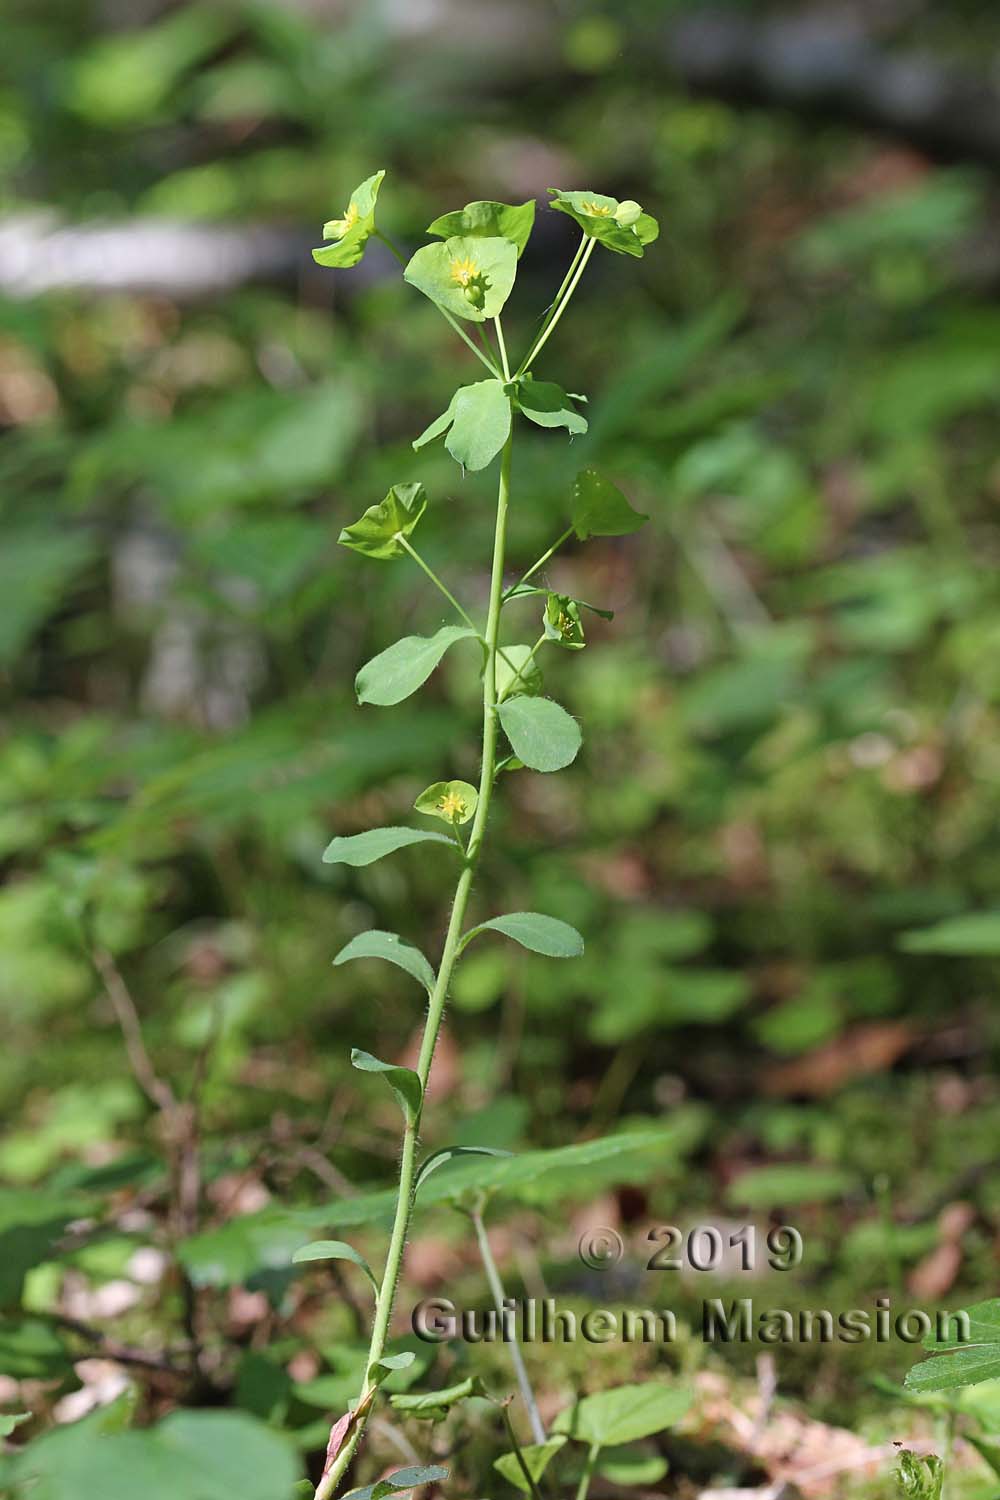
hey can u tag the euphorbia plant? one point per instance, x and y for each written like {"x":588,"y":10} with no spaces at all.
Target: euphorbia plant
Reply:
{"x":468,"y":272}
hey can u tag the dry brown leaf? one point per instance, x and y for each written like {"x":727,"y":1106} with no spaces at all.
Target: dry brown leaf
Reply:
{"x":867,"y":1048}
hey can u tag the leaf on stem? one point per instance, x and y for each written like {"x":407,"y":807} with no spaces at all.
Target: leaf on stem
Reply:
{"x":378,"y":531}
{"x":405,"y":665}
{"x":403,"y":1081}
{"x":390,"y":946}
{"x":403,"y":1479}
{"x":618,"y":226}
{"x":468,"y":276}
{"x":352,"y":232}
{"x":450,"y":1153}
{"x":433,"y":1405}
{"x":517,"y":671}
{"x":541,"y":733}
{"x":535,"y":931}
{"x":625,"y":1414}
{"x":484,"y":218}
{"x":388,"y":1364}
{"x":454,"y":802}
{"x":334,"y":1250}
{"x":547,"y":404}
{"x":600,"y":508}
{"x":537,"y":1457}
{"x":964,"y":1360}
{"x":365,"y":848}
{"x":478,"y":417}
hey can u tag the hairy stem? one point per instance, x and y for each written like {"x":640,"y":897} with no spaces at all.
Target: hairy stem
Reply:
{"x":516,"y":1357}
{"x":435,"y":1010}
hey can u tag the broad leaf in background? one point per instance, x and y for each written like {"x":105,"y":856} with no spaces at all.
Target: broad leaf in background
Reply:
{"x":625,"y":1414}
{"x":354,"y":229}
{"x":506,"y":221}
{"x":975,"y":935}
{"x":536,"y":1456}
{"x":533,"y":930}
{"x":390,"y":946}
{"x":37,"y":567}
{"x":406,"y":665}
{"x":471,"y":277}
{"x":541,"y":733}
{"x":452,"y":1153}
{"x":378,"y":531}
{"x":365,"y":848}
{"x":600,"y":508}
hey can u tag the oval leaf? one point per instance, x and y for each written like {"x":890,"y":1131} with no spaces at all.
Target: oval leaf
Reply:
{"x":480,"y":424}
{"x":379,"y":529}
{"x":404,"y":666}
{"x":541,"y":733}
{"x":507,"y":221}
{"x":403,"y":1081}
{"x":365,"y":848}
{"x":533,"y":930}
{"x":334,"y":1250}
{"x":449,"y":1153}
{"x":625,"y":1414}
{"x":453,"y":801}
{"x":600,"y":508}
{"x":470,"y":276}
{"x":390,"y":946}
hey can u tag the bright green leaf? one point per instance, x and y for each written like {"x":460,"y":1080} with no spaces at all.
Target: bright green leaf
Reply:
{"x":506,"y":221}
{"x":477,"y":423}
{"x":537,"y":1457}
{"x":365,"y":848}
{"x":632,"y":1466}
{"x":789,"y":1185}
{"x":547,"y":404}
{"x":334,"y":1250}
{"x":390,"y":946}
{"x":541,"y":733}
{"x":452,"y":1153}
{"x":403,"y":1081}
{"x":353,"y":230}
{"x":617,"y":226}
{"x":404,"y":666}
{"x":379,"y":529}
{"x":453,"y":802}
{"x":974,"y":935}
{"x":600,"y":508}
{"x":470,"y":277}
{"x":403,"y":1479}
{"x":625,"y":1414}
{"x":533,"y":930}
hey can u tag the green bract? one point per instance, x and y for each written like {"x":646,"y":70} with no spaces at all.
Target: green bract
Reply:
{"x":561,"y":622}
{"x":547,"y":404}
{"x":622,"y":227}
{"x":477,"y":423}
{"x":379,"y":529}
{"x":505,"y":221}
{"x":352,"y":232}
{"x":600,"y":508}
{"x":470,"y":276}
{"x":452,"y":801}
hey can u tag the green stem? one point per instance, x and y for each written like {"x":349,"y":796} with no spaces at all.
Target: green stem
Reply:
{"x":516,"y":1357}
{"x":561,"y":306}
{"x":588,"y":1473}
{"x":444,"y":311}
{"x":435,"y":580}
{"x":502,"y":347}
{"x":550,"y":311}
{"x":520,"y":671}
{"x":516,"y":1447}
{"x":509,"y":593}
{"x":435,"y":1010}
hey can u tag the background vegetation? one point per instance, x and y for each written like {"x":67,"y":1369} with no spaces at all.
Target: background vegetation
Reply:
{"x":779,"y":840}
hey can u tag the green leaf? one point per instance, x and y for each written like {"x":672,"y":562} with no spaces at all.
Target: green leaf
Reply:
{"x":403,"y":1081}
{"x":365,"y":848}
{"x":352,"y":231}
{"x":452,"y":1153}
{"x":517,"y":671}
{"x":990,"y":1451}
{"x":967,"y":1366}
{"x":390,"y":1364}
{"x":600,"y":508}
{"x":533,"y":930}
{"x":537,"y":1457}
{"x":403,"y":1479}
{"x":379,"y":529}
{"x":787,"y":1186}
{"x":334,"y":1250}
{"x":390,"y":946}
{"x":547,"y":404}
{"x":622,"y":227}
{"x":37,"y":568}
{"x":406,"y":665}
{"x":478,"y":417}
{"x":974,"y":935}
{"x":541,"y":733}
{"x":433,"y":1405}
{"x":468,"y":276}
{"x":213,"y":1455}
{"x":628,"y":1466}
{"x":625,"y":1414}
{"x":506,"y":221}
{"x":453,"y":802}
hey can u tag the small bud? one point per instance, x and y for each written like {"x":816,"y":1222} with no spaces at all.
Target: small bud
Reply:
{"x":473,"y":294}
{"x":626,"y":213}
